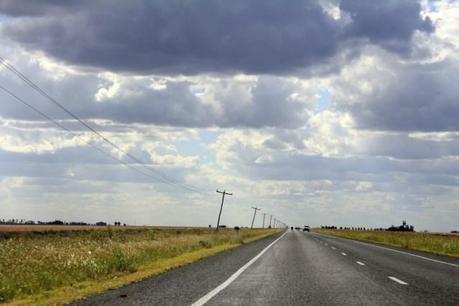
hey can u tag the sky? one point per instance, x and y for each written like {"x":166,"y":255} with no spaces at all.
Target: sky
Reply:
{"x":321,"y":112}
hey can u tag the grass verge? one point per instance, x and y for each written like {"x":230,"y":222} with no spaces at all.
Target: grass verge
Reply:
{"x":54,"y":268}
{"x":439,"y":244}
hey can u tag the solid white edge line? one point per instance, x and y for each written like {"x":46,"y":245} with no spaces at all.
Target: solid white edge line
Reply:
{"x":388,"y":249}
{"x":226,"y":283}
{"x":344,"y":254}
{"x":360,"y":263}
{"x":397,"y":280}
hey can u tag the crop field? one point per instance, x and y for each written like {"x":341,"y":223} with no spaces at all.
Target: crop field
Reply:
{"x":436,"y":243}
{"x":56,"y":265}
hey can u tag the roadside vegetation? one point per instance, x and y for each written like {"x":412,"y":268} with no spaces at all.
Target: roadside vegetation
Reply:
{"x":440,"y":244}
{"x":53,"y":267}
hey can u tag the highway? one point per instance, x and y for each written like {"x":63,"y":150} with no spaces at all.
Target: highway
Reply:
{"x":299,"y":268}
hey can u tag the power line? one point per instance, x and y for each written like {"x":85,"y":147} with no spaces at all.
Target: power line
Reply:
{"x":70,"y":131}
{"x":34,"y":86}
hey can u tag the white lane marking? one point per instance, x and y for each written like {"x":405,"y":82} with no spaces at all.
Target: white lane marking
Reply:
{"x":231,"y":279}
{"x":397,"y":280}
{"x":344,"y":254}
{"x":360,"y":263}
{"x":396,"y":251}
{"x":333,"y":248}
{"x":326,"y":244}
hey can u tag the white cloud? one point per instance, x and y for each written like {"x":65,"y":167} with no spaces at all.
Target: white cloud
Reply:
{"x":348,"y":164}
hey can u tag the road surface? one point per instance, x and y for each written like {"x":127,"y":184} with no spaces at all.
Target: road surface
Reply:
{"x":299,"y":268}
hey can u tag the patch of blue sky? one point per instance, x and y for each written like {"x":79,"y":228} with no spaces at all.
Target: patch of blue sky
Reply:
{"x":324,"y":101}
{"x":432,"y":8}
{"x":4,"y":18}
{"x":198,"y":147}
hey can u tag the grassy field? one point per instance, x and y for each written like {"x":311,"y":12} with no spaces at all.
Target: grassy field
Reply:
{"x":440,"y":244}
{"x":45,"y":266}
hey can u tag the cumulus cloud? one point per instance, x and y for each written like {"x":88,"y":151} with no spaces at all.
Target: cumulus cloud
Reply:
{"x":383,"y":93}
{"x":389,"y":24}
{"x":339,"y":111}
{"x":176,"y":37}
{"x":226,"y":102}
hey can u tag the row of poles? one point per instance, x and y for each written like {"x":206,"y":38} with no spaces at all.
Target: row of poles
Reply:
{"x":277,"y":223}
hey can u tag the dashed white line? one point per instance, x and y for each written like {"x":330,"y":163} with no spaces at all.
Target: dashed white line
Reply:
{"x":333,"y":248}
{"x":344,"y":254}
{"x":360,"y":263}
{"x":326,"y":244}
{"x":392,"y":250}
{"x":397,"y":280}
{"x":231,"y":279}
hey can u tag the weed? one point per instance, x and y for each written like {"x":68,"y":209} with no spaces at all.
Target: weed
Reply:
{"x":34,"y":262}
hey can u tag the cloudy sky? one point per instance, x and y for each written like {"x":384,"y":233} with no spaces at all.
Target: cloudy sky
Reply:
{"x":318,"y":112}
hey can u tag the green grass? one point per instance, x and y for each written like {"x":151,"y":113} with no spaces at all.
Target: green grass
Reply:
{"x":439,"y":244}
{"x":59,"y":266}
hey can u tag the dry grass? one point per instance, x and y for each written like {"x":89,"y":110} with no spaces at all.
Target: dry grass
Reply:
{"x":33,"y":263}
{"x":440,"y":244}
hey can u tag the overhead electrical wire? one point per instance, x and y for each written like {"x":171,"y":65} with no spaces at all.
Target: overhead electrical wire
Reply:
{"x":55,"y":122}
{"x":34,"y":86}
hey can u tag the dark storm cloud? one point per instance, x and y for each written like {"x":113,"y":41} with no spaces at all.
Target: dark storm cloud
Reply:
{"x":388,"y":23}
{"x":268,"y":102}
{"x":191,"y":37}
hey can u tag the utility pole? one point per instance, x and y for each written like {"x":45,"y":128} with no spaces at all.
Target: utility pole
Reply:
{"x":254,"y":214}
{"x":221,"y":206}
{"x":264,"y":215}
{"x":270,"y":218}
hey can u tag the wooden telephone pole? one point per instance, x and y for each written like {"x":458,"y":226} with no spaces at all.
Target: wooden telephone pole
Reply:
{"x":254,"y":214}
{"x":221,"y":206}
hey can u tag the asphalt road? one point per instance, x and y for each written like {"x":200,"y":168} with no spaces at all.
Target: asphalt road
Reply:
{"x":300,"y":269}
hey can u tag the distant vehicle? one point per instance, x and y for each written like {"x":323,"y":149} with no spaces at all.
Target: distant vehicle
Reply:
{"x":306,"y":228}
{"x":297,"y":228}
{"x":291,"y":228}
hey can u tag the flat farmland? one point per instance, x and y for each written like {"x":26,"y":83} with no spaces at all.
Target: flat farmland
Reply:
{"x":54,"y":228}
{"x":55,"y":264}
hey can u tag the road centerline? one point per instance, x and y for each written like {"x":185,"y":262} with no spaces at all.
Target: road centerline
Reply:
{"x":360,"y":263}
{"x":233,"y":277}
{"x":393,"y":278}
{"x":391,"y":250}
